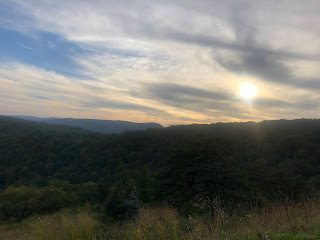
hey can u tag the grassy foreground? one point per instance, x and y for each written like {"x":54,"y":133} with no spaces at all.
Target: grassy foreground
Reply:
{"x":278,"y":221}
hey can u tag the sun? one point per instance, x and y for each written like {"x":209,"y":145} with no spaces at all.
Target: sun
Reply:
{"x":247,"y":90}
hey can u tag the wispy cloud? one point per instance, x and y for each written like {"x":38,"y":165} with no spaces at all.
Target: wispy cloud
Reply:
{"x":166,"y":61}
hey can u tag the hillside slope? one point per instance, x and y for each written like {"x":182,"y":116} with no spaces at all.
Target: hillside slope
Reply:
{"x":182,"y":165}
{"x":95,"y":125}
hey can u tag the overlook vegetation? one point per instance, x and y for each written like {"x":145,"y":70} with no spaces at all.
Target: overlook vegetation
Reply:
{"x":196,"y":176}
{"x":280,"y":221}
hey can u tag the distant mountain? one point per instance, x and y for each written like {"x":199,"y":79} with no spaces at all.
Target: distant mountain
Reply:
{"x":94,"y":125}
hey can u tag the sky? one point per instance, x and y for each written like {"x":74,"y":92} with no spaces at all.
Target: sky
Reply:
{"x":168,"y":61}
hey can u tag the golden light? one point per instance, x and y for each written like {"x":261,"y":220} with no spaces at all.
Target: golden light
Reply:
{"x":247,"y":90}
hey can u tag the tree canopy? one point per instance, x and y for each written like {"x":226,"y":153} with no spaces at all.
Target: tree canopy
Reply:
{"x":184,"y":165}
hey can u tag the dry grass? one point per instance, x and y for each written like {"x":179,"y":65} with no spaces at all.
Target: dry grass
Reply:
{"x":153,"y":223}
{"x":285,"y":220}
{"x":64,"y":225}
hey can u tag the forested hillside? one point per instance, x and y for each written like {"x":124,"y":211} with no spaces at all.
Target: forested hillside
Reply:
{"x":185,"y":166}
{"x":95,"y":125}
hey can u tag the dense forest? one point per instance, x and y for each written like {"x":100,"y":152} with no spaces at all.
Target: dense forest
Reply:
{"x":44,"y":168}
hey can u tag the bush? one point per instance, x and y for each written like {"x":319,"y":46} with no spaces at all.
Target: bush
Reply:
{"x":21,"y":202}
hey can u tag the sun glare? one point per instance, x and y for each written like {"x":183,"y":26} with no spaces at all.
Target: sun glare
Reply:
{"x":247,"y":90}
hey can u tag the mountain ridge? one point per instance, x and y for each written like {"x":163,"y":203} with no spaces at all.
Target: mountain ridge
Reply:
{"x":94,"y":125}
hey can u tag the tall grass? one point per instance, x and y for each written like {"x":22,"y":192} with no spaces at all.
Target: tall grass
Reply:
{"x":281,"y":220}
{"x":64,"y":225}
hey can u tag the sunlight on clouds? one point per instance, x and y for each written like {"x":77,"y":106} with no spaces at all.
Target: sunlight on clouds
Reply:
{"x":169,"y":62}
{"x":247,"y":90}
{"x":52,"y":94}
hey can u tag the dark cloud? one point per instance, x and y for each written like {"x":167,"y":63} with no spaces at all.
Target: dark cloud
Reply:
{"x":268,"y":68}
{"x":244,"y":47}
{"x":194,"y":99}
{"x":255,"y":57}
{"x":239,"y":15}
{"x":260,"y":65}
{"x":173,"y":92}
{"x":262,"y":61}
{"x":216,"y":102}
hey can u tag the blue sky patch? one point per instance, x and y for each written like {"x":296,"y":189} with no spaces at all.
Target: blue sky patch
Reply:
{"x":44,"y":50}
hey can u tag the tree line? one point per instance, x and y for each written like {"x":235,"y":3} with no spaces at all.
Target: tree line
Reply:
{"x":47,"y":167}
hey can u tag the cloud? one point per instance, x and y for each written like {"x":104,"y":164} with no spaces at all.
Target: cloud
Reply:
{"x":218,"y":103}
{"x":268,"y":68}
{"x":166,"y":61}
{"x":24,"y":83}
{"x":189,"y":97}
{"x":101,"y":103}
